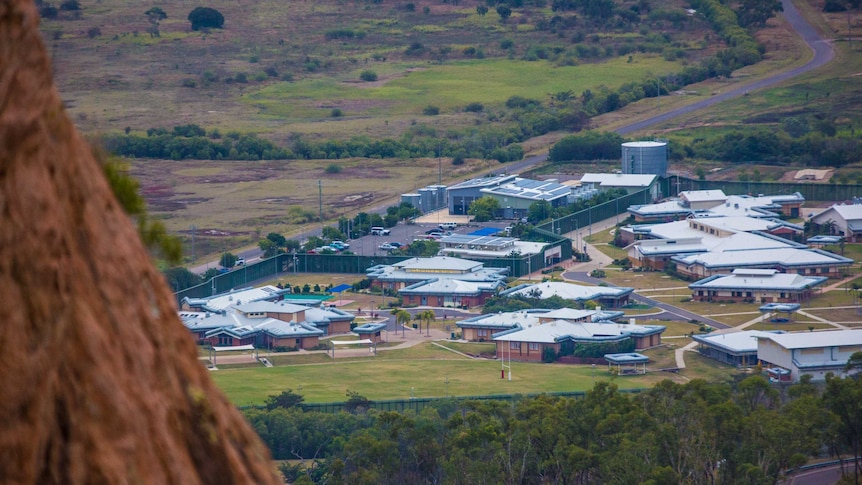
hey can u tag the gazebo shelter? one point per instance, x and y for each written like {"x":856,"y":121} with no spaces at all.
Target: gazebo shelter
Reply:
{"x":779,"y":308}
{"x":372,"y":346}
{"x":215,"y":350}
{"x":627,"y":363}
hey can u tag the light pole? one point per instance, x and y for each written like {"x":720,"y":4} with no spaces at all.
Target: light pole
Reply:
{"x":594,"y":375}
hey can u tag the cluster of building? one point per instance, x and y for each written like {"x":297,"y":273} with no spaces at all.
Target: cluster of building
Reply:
{"x":737,"y":247}
{"x":785,"y":356}
{"x":527,"y":334}
{"x":263,"y":317}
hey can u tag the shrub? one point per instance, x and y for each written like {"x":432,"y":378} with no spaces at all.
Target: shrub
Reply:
{"x":333,"y":168}
{"x":431,"y":110}
{"x":368,"y":76}
{"x":474,"y":108}
{"x":205,"y":17}
{"x":94,"y":32}
{"x":336,"y":113}
{"x":189,"y":83}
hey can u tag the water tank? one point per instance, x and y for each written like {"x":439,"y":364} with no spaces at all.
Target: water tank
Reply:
{"x":645,"y":157}
{"x":441,"y":195}
{"x":414,"y":199}
{"x":428,"y":199}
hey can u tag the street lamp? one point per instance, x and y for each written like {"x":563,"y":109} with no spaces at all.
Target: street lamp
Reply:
{"x":594,"y":375}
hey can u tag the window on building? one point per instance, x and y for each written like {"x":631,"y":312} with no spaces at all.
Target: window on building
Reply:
{"x":783,"y":295}
{"x":533,"y":346}
{"x":515,"y":345}
{"x":748,"y":294}
{"x":824,"y":270}
{"x":482,"y":333}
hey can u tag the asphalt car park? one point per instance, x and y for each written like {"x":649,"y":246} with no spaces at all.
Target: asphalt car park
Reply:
{"x":370,"y":245}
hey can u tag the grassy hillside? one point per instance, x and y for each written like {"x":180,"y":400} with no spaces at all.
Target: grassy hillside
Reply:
{"x":277,"y":68}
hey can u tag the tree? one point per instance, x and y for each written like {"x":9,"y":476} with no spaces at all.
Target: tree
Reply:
{"x":504,"y":12}
{"x":228,"y":260}
{"x":484,"y":208}
{"x":331,"y":233}
{"x":205,"y":17}
{"x":368,"y":76}
{"x":356,"y":403}
{"x":539,"y":211}
{"x":277,"y":239}
{"x":755,"y":13}
{"x":268,"y":247}
{"x":287,"y":399}
{"x":482,"y":10}
{"x":180,"y":278}
{"x":155,"y":15}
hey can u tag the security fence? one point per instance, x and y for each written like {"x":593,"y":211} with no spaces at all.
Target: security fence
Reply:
{"x":559,"y":248}
{"x":417,"y":404}
{"x":814,"y":192}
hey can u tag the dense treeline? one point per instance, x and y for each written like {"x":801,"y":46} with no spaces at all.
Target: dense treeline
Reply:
{"x":748,"y":432}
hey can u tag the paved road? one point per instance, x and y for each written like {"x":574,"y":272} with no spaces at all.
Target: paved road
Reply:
{"x":821,"y":48}
{"x":682,"y":313}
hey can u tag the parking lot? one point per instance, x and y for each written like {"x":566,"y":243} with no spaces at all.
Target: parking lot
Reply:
{"x":407,"y":233}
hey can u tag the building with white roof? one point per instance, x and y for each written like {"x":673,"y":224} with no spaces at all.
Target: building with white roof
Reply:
{"x":813,"y":353}
{"x":450,"y":292}
{"x":225,"y":300}
{"x":843,"y":220}
{"x":517,"y":195}
{"x":561,"y":336}
{"x":756,"y":286}
{"x":734,"y":348}
{"x":604,"y":296}
{"x":704,"y":246}
{"x":716,"y":203}
{"x":628,"y":181}
{"x":234,"y":327}
{"x":462,"y":195}
{"x":482,"y":327}
{"x":263,"y":323}
{"x":477,"y":246}
{"x":416,"y":270}
{"x":792,"y":260}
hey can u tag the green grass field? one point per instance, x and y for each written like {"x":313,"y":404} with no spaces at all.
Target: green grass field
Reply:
{"x":397,"y":379}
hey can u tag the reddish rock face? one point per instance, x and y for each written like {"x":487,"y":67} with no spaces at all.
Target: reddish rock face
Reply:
{"x":99,"y":381}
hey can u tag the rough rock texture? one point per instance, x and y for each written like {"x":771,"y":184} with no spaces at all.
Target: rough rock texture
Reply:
{"x":99,"y":381}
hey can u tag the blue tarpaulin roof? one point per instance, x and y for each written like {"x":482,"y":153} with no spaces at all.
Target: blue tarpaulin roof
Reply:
{"x":486,"y":231}
{"x":340,"y":288}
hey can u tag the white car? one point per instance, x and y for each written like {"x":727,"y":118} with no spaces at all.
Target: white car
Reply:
{"x":386,"y":247}
{"x":240,"y":261}
{"x":379,"y":231}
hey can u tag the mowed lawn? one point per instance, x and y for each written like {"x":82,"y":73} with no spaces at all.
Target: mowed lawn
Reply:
{"x":386,"y":379}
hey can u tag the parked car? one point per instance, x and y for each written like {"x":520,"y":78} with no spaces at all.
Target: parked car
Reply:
{"x":379,"y":231}
{"x":240,"y":261}
{"x":339,"y":244}
{"x":387,"y":247}
{"x":448,"y":226}
{"x":395,"y":245}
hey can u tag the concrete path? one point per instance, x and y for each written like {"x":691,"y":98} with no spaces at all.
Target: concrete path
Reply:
{"x":821,"y":320}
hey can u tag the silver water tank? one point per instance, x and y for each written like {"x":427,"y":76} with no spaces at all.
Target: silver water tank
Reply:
{"x":645,"y":157}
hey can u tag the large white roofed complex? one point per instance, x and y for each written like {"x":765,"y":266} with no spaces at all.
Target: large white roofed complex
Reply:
{"x":846,"y":221}
{"x":605,"y":296}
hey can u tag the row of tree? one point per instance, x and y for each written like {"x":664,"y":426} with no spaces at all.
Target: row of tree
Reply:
{"x":747,"y":432}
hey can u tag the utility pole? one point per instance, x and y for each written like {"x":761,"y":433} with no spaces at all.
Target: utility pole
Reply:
{"x":320,"y":199}
{"x":194,"y":230}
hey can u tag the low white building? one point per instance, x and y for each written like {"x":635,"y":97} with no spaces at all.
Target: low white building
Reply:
{"x":756,"y":285}
{"x":813,"y":353}
{"x":628,"y":181}
{"x":846,"y":220}
{"x":604,"y":296}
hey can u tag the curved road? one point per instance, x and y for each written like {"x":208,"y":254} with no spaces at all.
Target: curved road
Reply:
{"x":680,"y":312}
{"x":821,"y":48}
